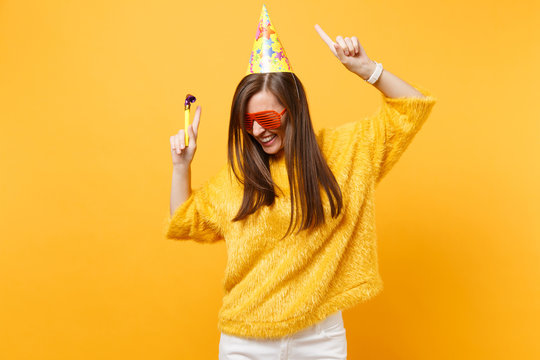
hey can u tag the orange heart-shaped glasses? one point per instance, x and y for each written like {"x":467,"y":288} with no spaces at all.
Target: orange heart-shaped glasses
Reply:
{"x":268,"y":119}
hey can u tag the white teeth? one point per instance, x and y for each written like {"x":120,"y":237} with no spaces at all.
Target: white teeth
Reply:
{"x":268,"y":138}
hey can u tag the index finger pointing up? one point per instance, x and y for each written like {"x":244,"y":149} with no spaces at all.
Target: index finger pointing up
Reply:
{"x":326,"y":38}
{"x":196,"y":120}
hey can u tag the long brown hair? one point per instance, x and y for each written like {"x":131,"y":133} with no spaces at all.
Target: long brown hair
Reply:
{"x":306,"y":167}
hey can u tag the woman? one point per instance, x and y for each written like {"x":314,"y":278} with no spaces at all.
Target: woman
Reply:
{"x":297,"y":209}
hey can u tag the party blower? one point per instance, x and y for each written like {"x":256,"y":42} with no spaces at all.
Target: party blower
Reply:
{"x":187,"y":104}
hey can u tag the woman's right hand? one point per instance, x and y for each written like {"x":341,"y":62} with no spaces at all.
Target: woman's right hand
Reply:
{"x":182,"y":155}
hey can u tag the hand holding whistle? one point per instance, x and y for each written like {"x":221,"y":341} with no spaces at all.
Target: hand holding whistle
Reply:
{"x":181,"y":153}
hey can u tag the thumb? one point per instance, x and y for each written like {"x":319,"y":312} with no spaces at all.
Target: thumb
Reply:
{"x":339,"y":51}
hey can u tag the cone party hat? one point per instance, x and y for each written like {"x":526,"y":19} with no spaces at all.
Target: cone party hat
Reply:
{"x":268,"y":54}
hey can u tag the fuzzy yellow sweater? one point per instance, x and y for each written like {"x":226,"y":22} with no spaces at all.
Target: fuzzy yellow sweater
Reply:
{"x":274,"y":288}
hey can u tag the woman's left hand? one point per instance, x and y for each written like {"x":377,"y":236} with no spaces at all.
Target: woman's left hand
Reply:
{"x":350,"y":53}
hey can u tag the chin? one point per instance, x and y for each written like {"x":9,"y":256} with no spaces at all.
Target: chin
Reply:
{"x":271,"y":152}
{"x":274,"y":149}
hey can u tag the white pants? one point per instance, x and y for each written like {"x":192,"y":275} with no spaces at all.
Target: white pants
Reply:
{"x":323,"y":340}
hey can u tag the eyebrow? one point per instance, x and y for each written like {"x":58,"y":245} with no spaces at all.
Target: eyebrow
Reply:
{"x":262,"y":111}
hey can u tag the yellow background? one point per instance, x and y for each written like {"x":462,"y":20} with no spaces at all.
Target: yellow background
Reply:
{"x":91,"y":91}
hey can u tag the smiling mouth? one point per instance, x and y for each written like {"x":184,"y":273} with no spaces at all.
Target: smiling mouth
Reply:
{"x":267,"y":139}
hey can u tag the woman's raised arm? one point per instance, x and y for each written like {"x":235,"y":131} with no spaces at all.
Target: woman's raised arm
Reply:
{"x":181,"y":159}
{"x":353,"y":56}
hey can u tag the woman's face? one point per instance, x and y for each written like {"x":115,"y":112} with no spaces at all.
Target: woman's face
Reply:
{"x":271,"y":140}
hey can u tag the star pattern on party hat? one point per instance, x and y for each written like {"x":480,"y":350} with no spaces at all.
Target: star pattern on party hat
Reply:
{"x":268,"y":55}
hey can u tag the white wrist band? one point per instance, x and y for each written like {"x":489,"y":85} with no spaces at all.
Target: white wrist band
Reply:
{"x":375,"y":76}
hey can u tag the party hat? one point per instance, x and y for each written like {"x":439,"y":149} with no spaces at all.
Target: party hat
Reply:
{"x":268,"y":54}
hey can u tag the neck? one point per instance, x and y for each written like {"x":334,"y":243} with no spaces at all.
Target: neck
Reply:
{"x":279,"y":155}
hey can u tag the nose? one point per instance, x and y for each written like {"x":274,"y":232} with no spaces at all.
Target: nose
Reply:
{"x":257,"y":129}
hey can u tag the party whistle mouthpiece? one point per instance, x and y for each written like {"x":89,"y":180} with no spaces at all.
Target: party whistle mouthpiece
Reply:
{"x":189,"y":100}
